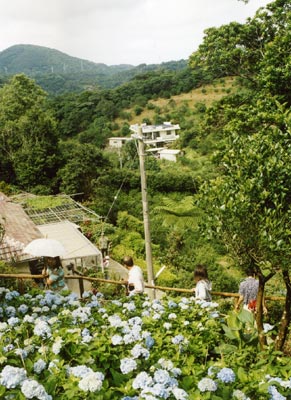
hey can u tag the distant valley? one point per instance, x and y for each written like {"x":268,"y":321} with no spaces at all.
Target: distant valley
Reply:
{"x":58,"y":72}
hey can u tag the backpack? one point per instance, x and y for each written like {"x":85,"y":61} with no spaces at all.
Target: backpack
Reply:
{"x":252,"y":305}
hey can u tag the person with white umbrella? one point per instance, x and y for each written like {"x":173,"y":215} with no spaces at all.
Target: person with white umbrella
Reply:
{"x":50,"y":250}
{"x":54,"y":274}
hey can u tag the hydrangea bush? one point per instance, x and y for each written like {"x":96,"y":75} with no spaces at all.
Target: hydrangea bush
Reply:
{"x":55,"y":346}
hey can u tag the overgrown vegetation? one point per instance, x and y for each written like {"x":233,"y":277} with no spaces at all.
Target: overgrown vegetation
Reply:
{"x":225,"y":203}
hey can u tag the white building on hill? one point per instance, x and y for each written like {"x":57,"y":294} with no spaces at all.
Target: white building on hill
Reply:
{"x":157,"y":135}
{"x":154,"y":136}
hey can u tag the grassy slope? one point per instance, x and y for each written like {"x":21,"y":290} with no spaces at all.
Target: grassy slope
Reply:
{"x":205,"y":94}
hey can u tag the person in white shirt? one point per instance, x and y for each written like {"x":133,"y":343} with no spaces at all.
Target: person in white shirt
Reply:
{"x":203,"y":285}
{"x":135,"y":281}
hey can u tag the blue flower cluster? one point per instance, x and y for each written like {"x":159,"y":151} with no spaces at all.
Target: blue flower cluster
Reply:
{"x":215,"y":376}
{"x":226,"y":375}
{"x":162,"y":384}
{"x":90,"y":381}
{"x":274,"y":384}
{"x":12,"y":377}
{"x":42,"y":334}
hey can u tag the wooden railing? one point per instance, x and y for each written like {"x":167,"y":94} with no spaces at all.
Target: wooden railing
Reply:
{"x":21,"y":277}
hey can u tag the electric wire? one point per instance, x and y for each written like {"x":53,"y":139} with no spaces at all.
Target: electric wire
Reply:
{"x":118,"y":191}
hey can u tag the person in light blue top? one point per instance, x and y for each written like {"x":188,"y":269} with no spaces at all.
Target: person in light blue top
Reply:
{"x":54,"y":273}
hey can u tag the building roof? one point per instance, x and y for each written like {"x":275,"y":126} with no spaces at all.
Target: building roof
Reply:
{"x":19,"y":230}
{"x":169,"y":151}
{"x":68,"y":209}
{"x":75,"y":243}
{"x":120,"y":138}
{"x":166,"y":126}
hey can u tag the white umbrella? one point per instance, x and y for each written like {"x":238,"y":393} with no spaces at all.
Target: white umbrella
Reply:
{"x":45,"y":248}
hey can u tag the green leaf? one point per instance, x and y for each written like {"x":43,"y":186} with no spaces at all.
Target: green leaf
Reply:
{"x":243,"y":377}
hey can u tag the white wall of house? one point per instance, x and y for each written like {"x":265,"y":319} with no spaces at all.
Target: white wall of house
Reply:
{"x":169,"y":154}
{"x":118,"y":142}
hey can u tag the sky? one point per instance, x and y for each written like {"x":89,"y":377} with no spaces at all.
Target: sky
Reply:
{"x":118,"y":31}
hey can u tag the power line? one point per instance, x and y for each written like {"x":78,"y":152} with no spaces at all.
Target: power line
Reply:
{"x":118,"y":191}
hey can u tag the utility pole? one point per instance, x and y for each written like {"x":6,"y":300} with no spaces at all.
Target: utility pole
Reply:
{"x":145,"y":208}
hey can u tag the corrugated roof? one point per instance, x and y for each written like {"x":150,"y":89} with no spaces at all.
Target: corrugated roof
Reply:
{"x":69,"y":210}
{"x":19,"y":230}
{"x":75,"y":243}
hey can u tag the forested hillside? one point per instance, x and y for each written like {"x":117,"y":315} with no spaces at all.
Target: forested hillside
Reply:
{"x":225,"y":203}
{"x":57,"y":72}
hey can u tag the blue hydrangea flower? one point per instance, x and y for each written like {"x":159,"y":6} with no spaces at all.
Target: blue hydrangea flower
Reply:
{"x":149,"y":342}
{"x":10,"y":311}
{"x":157,"y":306}
{"x":134,"y":321}
{"x":117,"y":303}
{"x":162,"y":376}
{"x":86,"y":336}
{"x":3,"y":326}
{"x":226,"y":375}
{"x":176,"y":372}
{"x":8,"y":348}
{"x":239,"y":395}
{"x":115,"y":321}
{"x":22,"y":309}
{"x":183,"y":306}
{"x":57,"y":345}
{"x":142,"y":380}
{"x":11,"y":377}
{"x":86,"y":295}
{"x":179,"y":394}
{"x":127,"y":365}
{"x":156,"y":391}
{"x":81,"y":314}
{"x":80,"y":371}
{"x":32,"y":389}
{"x":166,"y":364}
{"x":42,"y":329}
{"x":116,"y":340}
{"x":178,"y":339}
{"x":139,"y":351}
{"x":129,"y":306}
{"x":172,"y":304}
{"x":21,"y":352}
{"x":207,"y":385}
{"x":29,"y":319}
{"x":39,"y":366}
{"x":145,"y":313}
{"x":275,"y":395}
{"x":92,"y":382}
{"x":11,"y":295}
{"x":13,"y":321}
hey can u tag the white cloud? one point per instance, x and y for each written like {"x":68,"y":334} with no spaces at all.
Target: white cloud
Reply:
{"x":118,"y":31}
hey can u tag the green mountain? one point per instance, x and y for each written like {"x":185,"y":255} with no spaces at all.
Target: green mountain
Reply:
{"x":58,"y":72}
{"x":34,"y":60}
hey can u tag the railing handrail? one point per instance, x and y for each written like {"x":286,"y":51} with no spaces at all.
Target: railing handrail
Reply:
{"x":91,"y":279}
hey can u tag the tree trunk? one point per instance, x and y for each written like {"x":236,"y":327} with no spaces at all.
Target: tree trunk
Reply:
{"x":259,"y":312}
{"x":286,"y":316}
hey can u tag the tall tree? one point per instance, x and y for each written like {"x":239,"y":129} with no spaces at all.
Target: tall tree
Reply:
{"x":250,"y":198}
{"x":84,"y":164}
{"x":28,"y":139}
